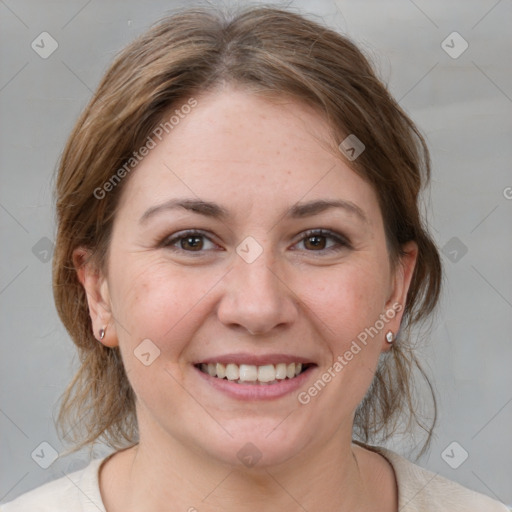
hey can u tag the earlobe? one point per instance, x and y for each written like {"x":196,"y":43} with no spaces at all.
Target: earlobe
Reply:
{"x":98,"y":297}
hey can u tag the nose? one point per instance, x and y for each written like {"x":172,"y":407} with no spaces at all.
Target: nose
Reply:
{"x":257,"y":297}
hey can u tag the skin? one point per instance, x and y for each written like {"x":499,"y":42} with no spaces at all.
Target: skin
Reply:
{"x":256,"y":158}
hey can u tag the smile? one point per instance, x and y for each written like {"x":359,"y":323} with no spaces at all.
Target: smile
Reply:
{"x":267,"y":374}
{"x":246,"y":376}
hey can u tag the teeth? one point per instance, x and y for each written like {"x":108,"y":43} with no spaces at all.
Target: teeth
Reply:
{"x":266,"y":373}
{"x":232,"y":372}
{"x":248,"y":373}
{"x":281,"y":371}
{"x":221,"y":370}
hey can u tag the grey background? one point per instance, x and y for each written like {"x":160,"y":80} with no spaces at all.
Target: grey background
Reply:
{"x":464,"y":107}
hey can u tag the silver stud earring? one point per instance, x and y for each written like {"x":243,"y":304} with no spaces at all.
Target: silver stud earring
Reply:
{"x":102,"y":334}
{"x":390,"y":337}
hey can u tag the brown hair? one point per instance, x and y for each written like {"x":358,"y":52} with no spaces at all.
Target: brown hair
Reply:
{"x":268,"y":50}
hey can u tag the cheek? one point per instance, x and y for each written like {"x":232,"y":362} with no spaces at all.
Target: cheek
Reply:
{"x":346,"y":306}
{"x":140,"y":299}
{"x":156,"y":300}
{"x":348,"y":299}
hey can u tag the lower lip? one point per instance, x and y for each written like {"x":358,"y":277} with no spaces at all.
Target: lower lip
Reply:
{"x":257,"y":391}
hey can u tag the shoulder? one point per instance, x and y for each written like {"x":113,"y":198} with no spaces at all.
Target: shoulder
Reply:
{"x":421,"y":490}
{"x":76,"y":491}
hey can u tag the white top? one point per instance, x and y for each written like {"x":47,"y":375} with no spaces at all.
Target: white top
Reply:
{"x":419,"y":490}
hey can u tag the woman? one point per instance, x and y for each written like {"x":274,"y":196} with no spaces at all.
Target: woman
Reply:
{"x":240,"y":261}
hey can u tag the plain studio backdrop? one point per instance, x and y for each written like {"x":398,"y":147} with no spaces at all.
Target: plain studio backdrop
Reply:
{"x":448,"y":64}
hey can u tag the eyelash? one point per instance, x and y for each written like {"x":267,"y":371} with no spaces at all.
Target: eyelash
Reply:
{"x":340,"y":240}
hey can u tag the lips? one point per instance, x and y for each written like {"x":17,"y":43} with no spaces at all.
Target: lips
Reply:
{"x":249,"y":376}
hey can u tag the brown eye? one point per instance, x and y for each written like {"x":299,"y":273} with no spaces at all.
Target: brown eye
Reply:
{"x":317,"y":240}
{"x":193,"y":243}
{"x":188,"y":241}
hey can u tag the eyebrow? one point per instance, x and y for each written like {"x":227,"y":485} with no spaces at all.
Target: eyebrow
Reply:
{"x":214,"y":210}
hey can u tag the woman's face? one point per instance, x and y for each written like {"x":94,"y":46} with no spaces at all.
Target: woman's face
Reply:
{"x":250,"y":287}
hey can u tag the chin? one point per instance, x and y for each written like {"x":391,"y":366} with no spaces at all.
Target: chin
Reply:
{"x":257,"y":443}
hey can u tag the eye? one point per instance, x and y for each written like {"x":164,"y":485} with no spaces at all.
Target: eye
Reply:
{"x":316,"y":240}
{"x":188,"y":241}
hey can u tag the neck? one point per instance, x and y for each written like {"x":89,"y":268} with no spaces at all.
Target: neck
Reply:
{"x":331,"y":478}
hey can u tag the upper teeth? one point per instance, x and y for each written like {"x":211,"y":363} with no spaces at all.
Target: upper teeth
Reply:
{"x":252,"y":373}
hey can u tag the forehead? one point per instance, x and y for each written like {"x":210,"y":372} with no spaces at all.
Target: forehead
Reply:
{"x":240,"y":149}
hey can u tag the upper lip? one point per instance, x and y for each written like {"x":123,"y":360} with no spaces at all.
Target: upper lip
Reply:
{"x":256,"y":360}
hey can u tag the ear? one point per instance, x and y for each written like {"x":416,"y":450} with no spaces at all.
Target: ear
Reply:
{"x":400,"y":282}
{"x":98,"y":296}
